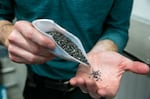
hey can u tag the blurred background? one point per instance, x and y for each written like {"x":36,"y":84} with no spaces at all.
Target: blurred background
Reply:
{"x":133,"y":86}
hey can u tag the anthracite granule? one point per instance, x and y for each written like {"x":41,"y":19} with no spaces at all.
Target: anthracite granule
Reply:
{"x":96,"y":75}
{"x":67,"y":45}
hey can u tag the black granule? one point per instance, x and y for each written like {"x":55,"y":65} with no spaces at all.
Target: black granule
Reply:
{"x":67,"y":45}
{"x":96,"y":75}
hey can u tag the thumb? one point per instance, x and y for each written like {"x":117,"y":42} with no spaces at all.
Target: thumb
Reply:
{"x":137,"y":67}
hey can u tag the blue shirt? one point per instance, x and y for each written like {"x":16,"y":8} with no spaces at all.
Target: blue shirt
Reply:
{"x":89,"y":20}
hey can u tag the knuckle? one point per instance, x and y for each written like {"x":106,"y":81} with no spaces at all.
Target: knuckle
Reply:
{"x":32,"y":59}
{"x":37,"y":60}
{"x":28,"y":35}
{"x":25,"y":29}
{"x":10,"y":49}
{"x":13,"y":59}
{"x":42,"y":61}
{"x":12,"y":37}
{"x":36,"y":50}
{"x":43,"y":41}
{"x":18,"y":24}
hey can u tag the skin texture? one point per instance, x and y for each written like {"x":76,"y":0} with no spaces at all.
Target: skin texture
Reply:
{"x":26,"y":45}
{"x":111,"y":66}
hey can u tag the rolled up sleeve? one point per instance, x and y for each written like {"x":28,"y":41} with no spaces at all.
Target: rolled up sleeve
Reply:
{"x":117,"y":24}
{"x":7,"y":10}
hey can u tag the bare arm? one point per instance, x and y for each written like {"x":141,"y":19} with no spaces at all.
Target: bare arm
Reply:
{"x":105,"y":45}
{"x":5,"y":29}
{"x":103,"y":78}
{"x":24,"y":43}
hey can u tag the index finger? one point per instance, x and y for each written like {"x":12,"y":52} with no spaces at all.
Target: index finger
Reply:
{"x":30,"y":33}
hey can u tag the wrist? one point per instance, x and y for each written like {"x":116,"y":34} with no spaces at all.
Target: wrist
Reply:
{"x":5,"y":29}
{"x":105,"y":45}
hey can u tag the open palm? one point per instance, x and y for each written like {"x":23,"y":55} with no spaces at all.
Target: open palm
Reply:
{"x":104,"y":76}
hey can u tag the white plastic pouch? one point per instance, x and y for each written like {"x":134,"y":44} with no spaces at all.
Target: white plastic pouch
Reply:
{"x":47,"y":26}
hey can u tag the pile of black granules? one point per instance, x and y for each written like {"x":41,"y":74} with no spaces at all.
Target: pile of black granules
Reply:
{"x":67,"y":45}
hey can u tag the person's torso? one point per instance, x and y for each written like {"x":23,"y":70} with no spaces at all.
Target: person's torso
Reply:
{"x":83,"y":18}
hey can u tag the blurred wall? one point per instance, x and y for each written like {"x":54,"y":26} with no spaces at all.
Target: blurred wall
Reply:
{"x":134,"y":86}
{"x":139,"y":34}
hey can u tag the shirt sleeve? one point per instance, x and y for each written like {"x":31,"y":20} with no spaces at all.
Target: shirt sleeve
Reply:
{"x":117,"y":23}
{"x":7,"y":10}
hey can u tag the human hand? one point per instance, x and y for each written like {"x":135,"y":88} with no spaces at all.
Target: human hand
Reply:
{"x":104,"y":76}
{"x":27,"y":45}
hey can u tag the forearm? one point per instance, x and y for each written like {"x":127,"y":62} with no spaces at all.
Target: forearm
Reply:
{"x":104,"y":45}
{"x":5,"y":29}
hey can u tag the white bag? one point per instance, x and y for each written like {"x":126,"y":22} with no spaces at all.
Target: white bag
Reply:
{"x":47,"y":25}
